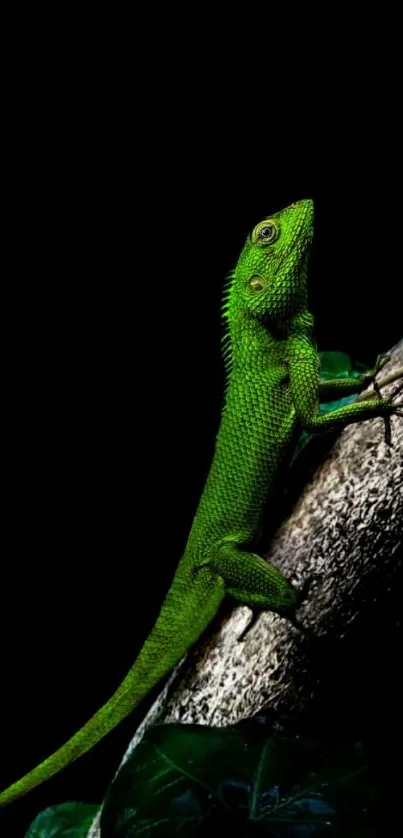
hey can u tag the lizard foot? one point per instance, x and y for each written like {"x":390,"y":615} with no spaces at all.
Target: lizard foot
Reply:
{"x":290,"y":614}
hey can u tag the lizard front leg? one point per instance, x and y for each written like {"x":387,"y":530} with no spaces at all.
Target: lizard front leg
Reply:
{"x":305,"y":388}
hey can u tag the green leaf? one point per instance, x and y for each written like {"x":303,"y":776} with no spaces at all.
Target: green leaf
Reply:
{"x":68,"y":820}
{"x":339,"y":365}
{"x":191,"y":780}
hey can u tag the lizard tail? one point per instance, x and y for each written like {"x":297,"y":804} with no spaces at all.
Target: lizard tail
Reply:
{"x":160,"y":653}
{"x":95,"y":729}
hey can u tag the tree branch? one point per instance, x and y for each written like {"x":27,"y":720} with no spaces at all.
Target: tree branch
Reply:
{"x":345,"y":529}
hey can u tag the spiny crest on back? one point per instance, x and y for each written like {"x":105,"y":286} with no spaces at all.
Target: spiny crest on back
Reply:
{"x":226,"y":347}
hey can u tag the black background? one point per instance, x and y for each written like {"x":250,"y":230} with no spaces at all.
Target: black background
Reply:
{"x":114,"y":388}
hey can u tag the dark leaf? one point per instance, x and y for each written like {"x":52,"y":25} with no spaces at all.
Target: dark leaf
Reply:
{"x":194,"y":780}
{"x":68,"y":820}
{"x":337,"y":365}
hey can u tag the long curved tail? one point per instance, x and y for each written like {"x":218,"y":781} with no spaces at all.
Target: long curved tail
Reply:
{"x":163,"y":649}
{"x":116,"y":709}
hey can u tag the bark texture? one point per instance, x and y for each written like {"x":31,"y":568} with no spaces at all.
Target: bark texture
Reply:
{"x":344,"y":529}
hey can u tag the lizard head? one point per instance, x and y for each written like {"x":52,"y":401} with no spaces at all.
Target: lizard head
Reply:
{"x":270,"y":277}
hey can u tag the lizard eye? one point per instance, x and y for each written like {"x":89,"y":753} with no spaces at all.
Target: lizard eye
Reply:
{"x":266,"y":232}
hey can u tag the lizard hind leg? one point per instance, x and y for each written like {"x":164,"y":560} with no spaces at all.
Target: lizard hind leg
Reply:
{"x":254,"y":582}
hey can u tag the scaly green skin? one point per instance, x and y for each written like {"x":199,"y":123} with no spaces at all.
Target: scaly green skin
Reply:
{"x":272,"y":391}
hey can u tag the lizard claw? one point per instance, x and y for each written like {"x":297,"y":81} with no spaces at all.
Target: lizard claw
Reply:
{"x":302,"y":594}
{"x":306,"y":588}
{"x":244,"y":633}
{"x":394,"y":409}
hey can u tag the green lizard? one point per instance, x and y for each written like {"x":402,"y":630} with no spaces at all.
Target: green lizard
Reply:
{"x":272,"y":391}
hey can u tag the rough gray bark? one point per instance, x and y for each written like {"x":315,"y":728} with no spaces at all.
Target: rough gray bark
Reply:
{"x":346,"y":530}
